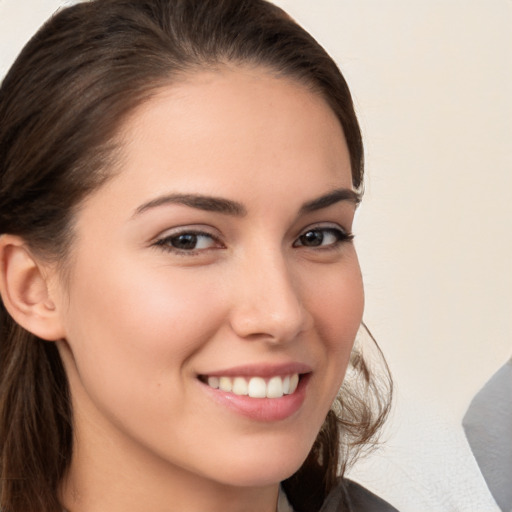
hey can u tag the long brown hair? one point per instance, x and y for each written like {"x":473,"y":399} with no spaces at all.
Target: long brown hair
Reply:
{"x":61,"y":105}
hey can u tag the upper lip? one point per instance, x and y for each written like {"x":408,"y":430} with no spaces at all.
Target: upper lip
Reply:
{"x":261,"y":370}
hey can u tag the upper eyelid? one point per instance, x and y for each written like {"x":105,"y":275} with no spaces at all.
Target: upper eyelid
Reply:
{"x":193,"y":229}
{"x":326,"y":225}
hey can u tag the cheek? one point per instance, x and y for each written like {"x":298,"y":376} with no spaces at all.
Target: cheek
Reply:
{"x":339,"y":304}
{"x":338,"y":309}
{"x":139,"y":320}
{"x":133,"y":334}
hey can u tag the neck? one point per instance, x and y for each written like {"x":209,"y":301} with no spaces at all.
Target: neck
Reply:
{"x":109,"y":473}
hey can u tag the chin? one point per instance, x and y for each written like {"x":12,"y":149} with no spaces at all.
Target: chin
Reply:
{"x":269,"y":474}
{"x":265,"y":467}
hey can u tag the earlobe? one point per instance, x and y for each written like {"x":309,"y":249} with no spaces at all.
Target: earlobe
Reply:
{"x":25,"y":291}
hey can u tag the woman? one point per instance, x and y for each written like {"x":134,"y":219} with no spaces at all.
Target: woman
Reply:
{"x":181,"y":292}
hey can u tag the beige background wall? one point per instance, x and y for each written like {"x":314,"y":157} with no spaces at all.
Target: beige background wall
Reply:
{"x":432,"y":81}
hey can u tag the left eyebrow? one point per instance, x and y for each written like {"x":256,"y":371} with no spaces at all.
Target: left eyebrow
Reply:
{"x":333,"y":197}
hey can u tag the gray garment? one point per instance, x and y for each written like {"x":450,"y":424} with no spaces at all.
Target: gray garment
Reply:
{"x":347,"y":497}
{"x":352,"y":497}
{"x":283,"y":505}
{"x":488,"y":427}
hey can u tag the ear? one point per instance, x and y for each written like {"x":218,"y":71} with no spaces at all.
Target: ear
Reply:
{"x":25,"y":291}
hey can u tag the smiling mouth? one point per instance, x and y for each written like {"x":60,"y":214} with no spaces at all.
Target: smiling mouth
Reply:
{"x":255,"y":387}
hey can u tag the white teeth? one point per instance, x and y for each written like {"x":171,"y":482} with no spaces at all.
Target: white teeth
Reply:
{"x":275,"y":387}
{"x":256,"y":387}
{"x":225,"y":384}
{"x":213,"y":382}
{"x":294,"y":381}
{"x":286,"y":385}
{"x":240,"y":386}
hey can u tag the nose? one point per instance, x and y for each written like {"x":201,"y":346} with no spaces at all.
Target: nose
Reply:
{"x":267,"y":301}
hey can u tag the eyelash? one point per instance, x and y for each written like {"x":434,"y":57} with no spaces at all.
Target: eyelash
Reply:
{"x":166,"y":243}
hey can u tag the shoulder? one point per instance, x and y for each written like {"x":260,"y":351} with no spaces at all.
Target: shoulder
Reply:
{"x":349,"y":496}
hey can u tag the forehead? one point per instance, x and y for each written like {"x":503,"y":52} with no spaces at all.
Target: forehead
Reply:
{"x":233,"y":132}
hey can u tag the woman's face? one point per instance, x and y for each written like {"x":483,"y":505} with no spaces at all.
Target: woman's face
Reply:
{"x":219,"y":255}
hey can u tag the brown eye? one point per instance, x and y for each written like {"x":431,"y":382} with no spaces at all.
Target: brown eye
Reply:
{"x":185,"y":242}
{"x":322,"y":237}
{"x":312,"y":238}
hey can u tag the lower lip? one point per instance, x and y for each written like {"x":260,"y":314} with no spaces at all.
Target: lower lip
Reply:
{"x":262,"y":409}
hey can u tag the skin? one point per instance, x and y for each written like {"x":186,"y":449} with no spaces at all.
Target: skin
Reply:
{"x":142,"y":320}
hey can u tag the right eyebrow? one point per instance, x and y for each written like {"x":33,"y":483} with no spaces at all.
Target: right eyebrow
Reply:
{"x":198,"y":201}
{"x":333,"y":197}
